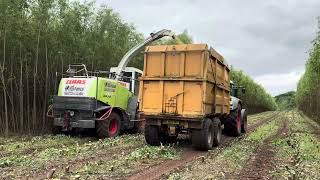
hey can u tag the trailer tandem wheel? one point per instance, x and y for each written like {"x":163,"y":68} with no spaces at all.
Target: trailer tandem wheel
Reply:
{"x":203,"y":139}
{"x":152,"y":135}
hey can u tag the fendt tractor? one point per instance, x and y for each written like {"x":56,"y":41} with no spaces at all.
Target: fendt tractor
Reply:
{"x":100,"y":100}
{"x":186,"y":89}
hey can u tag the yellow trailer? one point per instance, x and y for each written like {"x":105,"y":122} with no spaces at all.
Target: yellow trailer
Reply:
{"x":184,"y":88}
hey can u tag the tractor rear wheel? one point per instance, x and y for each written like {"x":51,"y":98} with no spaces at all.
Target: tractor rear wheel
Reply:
{"x":110,"y":127}
{"x":244,"y":124}
{"x":232,"y":126}
{"x":203,"y":139}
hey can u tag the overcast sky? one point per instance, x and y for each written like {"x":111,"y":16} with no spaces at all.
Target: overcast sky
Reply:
{"x":267,"y":39}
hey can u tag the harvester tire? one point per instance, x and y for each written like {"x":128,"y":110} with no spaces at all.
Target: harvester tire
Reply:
{"x":202,"y":139}
{"x":217,"y":132}
{"x":232,"y":126}
{"x":110,"y":127}
{"x":152,"y":135}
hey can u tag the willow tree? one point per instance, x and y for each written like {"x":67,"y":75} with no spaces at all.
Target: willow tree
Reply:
{"x":255,"y":99}
{"x":40,"y":37}
{"x":308,"y":90}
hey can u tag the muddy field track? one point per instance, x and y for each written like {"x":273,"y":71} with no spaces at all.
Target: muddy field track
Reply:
{"x":35,"y":149}
{"x":91,"y":152}
{"x":278,"y":145}
{"x":188,"y":155}
{"x":263,"y":160}
{"x":80,"y":161}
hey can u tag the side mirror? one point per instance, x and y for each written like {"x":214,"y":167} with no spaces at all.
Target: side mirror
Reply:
{"x":243,"y":90}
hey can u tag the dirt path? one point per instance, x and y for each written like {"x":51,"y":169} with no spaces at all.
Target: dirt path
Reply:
{"x":189,"y":155}
{"x":263,"y":161}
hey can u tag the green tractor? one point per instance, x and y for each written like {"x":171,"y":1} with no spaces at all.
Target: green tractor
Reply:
{"x":102,"y":100}
{"x":236,"y":122}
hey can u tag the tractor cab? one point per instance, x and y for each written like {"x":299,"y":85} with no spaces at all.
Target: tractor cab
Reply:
{"x":235,"y":90}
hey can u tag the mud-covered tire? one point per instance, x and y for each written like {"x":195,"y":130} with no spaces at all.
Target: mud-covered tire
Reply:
{"x":244,"y":122}
{"x":202,"y":139}
{"x":152,"y":135}
{"x":232,"y":125}
{"x":110,"y":127}
{"x":217,"y":134}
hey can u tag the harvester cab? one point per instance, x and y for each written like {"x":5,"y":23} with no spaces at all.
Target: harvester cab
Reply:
{"x":130,"y":75}
{"x":102,"y":100}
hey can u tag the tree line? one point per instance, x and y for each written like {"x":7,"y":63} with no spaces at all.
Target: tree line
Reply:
{"x":308,"y":90}
{"x":286,"y":101}
{"x":255,"y":99}
{"x":41,"y":37}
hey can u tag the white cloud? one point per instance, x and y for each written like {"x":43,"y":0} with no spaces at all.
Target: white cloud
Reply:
{"x":279,"y":83}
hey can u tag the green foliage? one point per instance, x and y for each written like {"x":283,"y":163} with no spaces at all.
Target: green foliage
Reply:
{"x":255,"y":99}
{"x":286,"y":101}
{"x":34,"y":152}
{"x":153,"y":152}
{"x":308,"y":94}
{"x":123,"y":163}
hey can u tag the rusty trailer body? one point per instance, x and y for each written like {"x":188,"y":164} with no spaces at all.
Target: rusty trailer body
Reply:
{"x":182,"y":85}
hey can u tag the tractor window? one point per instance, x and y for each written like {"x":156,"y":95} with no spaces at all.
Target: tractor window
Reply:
{"x":234,"y":92}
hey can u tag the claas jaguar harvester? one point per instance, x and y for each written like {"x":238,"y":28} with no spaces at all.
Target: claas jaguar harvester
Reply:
{"x":100,"y":100}
{"x":186,"y":89}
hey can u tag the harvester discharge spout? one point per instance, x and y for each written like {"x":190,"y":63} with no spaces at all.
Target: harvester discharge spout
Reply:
{"x":136,"y":49}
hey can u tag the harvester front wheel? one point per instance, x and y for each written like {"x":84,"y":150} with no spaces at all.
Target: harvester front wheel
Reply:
{"x":203,"y":139}
{"x":110,"y":127}
{"x":152,"y":135}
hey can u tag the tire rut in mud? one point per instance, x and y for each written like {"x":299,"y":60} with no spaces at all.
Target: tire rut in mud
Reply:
{"x":188,"y":155}
{"x":263,"y":161}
